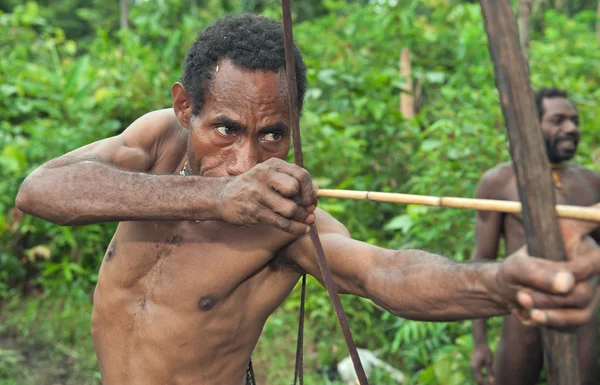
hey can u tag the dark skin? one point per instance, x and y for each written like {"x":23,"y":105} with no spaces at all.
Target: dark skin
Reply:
{"x":519,"y":356}
{"x":190,"y":277}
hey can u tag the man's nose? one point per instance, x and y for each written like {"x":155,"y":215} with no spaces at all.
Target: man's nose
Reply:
{"x":569,"y":127}
{"x":245,"y":158}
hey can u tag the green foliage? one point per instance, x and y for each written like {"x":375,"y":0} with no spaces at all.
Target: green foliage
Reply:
{"x":59,"y":94}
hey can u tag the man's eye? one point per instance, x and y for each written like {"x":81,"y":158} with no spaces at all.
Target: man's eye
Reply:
{"x":225,"y":131}
{"x":272,"y":136}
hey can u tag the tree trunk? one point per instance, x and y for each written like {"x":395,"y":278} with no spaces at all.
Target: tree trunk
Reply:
{"x":563,"y":6}
{"x":598,"y":22}
{"x":124,"y":14}
{"x":407,"y":100}
{"x":524,"y":24}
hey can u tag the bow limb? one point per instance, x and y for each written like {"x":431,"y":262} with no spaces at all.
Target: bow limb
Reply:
{"x":531,"y":166}
{"x":288,"y":41}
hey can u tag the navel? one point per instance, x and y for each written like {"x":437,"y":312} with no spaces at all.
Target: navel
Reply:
{"x":112,"y":250}
{"x":207,"y":302}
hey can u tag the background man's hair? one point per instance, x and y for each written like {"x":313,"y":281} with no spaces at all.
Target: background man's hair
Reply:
{"x":249,"y":41}
{"x":547,"y":93}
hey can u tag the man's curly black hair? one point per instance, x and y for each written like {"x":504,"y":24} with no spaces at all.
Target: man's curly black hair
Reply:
{"x":547,"y":93}
{"x":249,"y":41}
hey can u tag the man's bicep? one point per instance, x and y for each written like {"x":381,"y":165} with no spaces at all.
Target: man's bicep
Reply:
{"x":348,"y":259}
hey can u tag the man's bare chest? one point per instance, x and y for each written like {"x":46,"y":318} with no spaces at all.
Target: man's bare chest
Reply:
{"x":203,"y":263}
{"x":573,"y":190}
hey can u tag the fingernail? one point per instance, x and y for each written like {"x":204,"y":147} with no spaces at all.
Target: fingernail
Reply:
{"x":307,"y":229}
{"x":563,"y":282}
{"x":310,"y":218}
{"x":311,"y":208}
{"x":538,"y":316}
{"x":525,"y":299}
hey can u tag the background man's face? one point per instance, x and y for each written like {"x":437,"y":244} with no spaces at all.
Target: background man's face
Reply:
{"x":244,"y":121}
{"x":560,"y":127}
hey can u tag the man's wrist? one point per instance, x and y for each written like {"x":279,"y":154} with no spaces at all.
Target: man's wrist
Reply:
{"x":491,"y":284}
{"x":209,"y":203}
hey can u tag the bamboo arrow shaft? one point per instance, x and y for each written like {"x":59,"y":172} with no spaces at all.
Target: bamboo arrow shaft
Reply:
{"x":563,"y":211}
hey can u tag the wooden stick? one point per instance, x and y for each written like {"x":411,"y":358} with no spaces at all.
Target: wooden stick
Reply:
{"x":407,"y":100}
{"x":530,"y":161}
{"x":563,"y":211}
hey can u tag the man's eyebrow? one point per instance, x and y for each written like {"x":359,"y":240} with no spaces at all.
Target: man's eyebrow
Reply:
{"x":279,"y":126}
{"x":224,"y":120}
{"x":564,"y":115}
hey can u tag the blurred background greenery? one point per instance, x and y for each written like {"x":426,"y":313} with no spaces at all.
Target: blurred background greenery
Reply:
{"x":75,"y":71}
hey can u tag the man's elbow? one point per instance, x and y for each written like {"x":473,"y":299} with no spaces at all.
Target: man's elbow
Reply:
{"x":26,"y":197}
{"x":32,"y":199}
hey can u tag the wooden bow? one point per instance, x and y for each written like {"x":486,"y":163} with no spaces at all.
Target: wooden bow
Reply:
{"x":288,"y":40}
{"x":531,"y":167}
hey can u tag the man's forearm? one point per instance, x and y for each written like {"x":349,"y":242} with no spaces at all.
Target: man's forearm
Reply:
{"x":418,"y":285}
{"x":479,"y":331}
{"x":92,"y":192}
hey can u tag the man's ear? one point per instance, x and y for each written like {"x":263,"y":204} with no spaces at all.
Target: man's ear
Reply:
{"x":182,"y":104}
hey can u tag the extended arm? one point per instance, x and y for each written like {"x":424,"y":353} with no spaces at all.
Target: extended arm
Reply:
{"x":423,"y":286}
{"x":409,"y":283}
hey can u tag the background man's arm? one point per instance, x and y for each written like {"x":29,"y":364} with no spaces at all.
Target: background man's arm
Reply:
{"x":108,"y":180}
{"x":595,"y":180}
{"x":488,"y":229}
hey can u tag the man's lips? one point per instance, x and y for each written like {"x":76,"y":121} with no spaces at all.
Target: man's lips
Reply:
{"x":566,"y":144}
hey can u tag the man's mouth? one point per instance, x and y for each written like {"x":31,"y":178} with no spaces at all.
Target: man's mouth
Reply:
{"x":566,"y":144}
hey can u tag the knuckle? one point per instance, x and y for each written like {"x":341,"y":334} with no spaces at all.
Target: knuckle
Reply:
{"x":253,"y":190}
{"x":583,"y":295}
{"x":283,"y":223}
{"x":294,"y":186}
{"x":289,"y":210}
{"x":305,"y":178}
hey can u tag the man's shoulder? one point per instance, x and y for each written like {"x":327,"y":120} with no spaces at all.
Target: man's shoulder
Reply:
{"x":584,"y":171}
{"x":591,"y":176}
{"x":156,"y":128}
{"x":163,"y":120}
{"x":500,"y":172}
{"x":494,"y":180}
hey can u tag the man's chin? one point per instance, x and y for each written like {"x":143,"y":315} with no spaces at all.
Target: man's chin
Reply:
{"x":565,"y":156}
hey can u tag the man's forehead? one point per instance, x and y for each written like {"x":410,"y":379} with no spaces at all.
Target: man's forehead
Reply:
{"x":229,"y":78}
{"x":559,"y":106}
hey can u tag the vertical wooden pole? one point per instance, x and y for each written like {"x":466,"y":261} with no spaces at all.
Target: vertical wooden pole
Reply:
{"x":407,"y":100}
{"x":598,"y":22}
{"x":124,"y":14}
{"x":531,"y":165}
{"x":525,"y":7}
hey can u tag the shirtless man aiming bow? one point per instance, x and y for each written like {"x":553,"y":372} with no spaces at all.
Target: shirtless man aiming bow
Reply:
{"x":519,"y":357}
{"x":200,"y":261}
